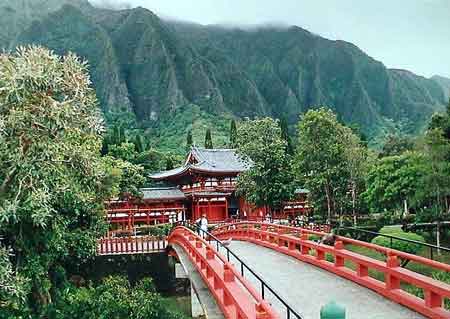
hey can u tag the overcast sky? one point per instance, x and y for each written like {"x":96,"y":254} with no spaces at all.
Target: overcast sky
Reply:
{"x":407,"y":34}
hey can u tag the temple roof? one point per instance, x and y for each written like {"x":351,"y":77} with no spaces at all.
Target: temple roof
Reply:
{"x":162,"y":193}
{"x":301,"y":191}
{"x":207,"y":160}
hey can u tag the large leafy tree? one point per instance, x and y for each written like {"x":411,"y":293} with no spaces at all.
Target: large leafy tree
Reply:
{"x":394,"y":179}
{"x":358,"y":160}
{"x":436,"y":181}
{"x":53,"y":180}
{"x":321,"y":157}
{"x":260,"y":144}
{"x":396,"y":145}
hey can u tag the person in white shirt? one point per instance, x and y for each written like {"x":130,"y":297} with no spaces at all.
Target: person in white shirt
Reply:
{"x":202,"y":222}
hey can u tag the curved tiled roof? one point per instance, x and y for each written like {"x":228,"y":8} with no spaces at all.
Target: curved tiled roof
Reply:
{"x":162,"y":193}
{"x":208,"y":160}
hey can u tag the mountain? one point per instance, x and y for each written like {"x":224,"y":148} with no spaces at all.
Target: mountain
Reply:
{"x":178,"y":76}
{"x":444,"y":83}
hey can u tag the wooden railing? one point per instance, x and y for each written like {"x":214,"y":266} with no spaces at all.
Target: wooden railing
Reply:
{"x":130,"y":245}
{"x":337,"y":259}
{"x":234,"y":295}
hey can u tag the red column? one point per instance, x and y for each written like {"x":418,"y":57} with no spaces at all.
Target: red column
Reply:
{"x":226,"y":208}
{"x":209,"y":208}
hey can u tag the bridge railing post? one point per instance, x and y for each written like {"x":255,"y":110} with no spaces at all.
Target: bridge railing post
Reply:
{"x":392,"y":282}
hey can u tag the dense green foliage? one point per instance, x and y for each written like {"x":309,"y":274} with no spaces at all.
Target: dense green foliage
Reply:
{"x":330,"y":161}
{"x":157,"y":69}
{"x":113,"y":298}
{"x":267,"y":181}
{"x":394,"y":179}
{"x":53,"y":185}
{"x":54,"y":181}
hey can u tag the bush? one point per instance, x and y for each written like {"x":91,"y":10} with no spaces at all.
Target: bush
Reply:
{"x":113,"y":298}
{"x":407,"y":247}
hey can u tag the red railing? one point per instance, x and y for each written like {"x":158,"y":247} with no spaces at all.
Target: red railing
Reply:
{"x":130,"y":245}
{"x":353,"y":266}
{"x":235,"y":296}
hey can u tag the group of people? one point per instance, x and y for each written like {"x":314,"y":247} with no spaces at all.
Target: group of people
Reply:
{"x":300,"y":220}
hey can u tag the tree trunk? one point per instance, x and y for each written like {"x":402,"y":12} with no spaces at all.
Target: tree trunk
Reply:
{"x":327,"y":192}
{"x":354,"y":203}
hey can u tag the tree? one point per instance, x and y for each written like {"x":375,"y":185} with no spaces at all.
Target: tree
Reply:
{"x":124,"y":151}
{"x":12,"y":288}
{"x":394,"y":179}
{"x":169,"y":163}
{"x":320,"y":158}
{"x":189,"y":140}
{"x":285,"y":135}
{"x":208,"y":139}
{"x":139,"y":143}
{"x":267,"y":181}
{"x":396,"y":145}
{"x":357,"y":162}
{"x":233,"y":134}
{"x":53,"y":179}
{"x":436,"y":181}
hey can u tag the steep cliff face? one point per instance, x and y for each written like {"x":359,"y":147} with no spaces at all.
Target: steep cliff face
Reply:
{"x":161,"y":69}
{"x":68,"y":29}
{"x":444,"y":83}
{"x":295,"y":70}
{"x":16,"y":15}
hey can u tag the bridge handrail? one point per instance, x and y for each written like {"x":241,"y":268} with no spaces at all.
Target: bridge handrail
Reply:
{"x":300,"y":247}
{"x":431,"y":246}
{"x":261,"y":309}
{"x":383,"y":250}
{"x":264,"y":285}
{"x":130,"y":244}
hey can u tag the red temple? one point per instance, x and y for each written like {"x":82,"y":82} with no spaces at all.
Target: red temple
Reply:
{"x":205,"y":184}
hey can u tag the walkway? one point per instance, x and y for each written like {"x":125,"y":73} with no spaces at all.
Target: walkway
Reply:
{"x":307,"y":288}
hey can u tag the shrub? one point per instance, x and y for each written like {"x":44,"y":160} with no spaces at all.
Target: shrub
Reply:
{"x":407,"y":247}
{"x":113,"y":298}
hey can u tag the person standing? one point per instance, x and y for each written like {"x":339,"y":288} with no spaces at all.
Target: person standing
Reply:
{"x":202,"y":224}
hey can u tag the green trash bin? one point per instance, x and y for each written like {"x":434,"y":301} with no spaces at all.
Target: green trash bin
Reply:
{"x":332,"y":311}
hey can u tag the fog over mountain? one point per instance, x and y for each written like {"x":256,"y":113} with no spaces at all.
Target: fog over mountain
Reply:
{"x":403,"y":34}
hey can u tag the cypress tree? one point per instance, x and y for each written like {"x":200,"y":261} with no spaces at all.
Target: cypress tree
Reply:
{"x":208,"y":139}
{"x":122,"y":135}
{"x":189,"y":141}
{"x":233,"y":134}
{"x":139,"y":143}
{"x":285,"y":135}
{"x":169,"y":163}
{"x":115,"y":138}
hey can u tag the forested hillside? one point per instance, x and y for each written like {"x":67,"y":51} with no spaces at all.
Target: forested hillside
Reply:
{"x":177,"y":77}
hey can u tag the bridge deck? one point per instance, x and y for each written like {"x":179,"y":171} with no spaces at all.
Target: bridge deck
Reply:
{"x":306,"y":288}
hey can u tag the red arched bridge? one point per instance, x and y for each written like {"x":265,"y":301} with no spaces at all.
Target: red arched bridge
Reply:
{"x":265,"y":271}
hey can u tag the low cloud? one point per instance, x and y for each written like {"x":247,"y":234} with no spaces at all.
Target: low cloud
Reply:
{"x":112,"y":4}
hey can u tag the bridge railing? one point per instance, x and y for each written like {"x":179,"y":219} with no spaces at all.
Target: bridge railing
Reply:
{"x":359,"y":268}
{"x":244,"y":268}
{"x":234,"y":295}
{"x":434,"y":250}
{"x":131,"y":245}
